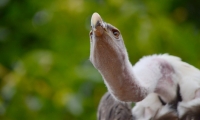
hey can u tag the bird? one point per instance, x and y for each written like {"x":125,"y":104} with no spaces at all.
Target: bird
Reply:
{"x":157,"y":73}
{"x":131,"y":83}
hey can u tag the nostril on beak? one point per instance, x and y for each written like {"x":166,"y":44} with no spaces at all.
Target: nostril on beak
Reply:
{"x":91,"y":33}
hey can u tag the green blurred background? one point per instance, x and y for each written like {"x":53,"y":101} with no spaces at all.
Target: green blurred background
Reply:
{"x":45,"y":72}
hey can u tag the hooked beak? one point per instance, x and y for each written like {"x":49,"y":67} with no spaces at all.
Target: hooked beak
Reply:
{"x":97,"y":24}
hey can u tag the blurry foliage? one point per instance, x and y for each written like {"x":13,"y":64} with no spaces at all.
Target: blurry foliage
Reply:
{"x":45,"y":73}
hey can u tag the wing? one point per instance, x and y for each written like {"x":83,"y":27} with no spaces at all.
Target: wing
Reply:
{"x":111,"y":109}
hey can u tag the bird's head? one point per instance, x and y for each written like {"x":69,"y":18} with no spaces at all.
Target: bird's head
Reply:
{"x":106,"y":44}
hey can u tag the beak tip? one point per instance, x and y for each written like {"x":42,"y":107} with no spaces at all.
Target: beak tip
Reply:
{"x":95,"y":19}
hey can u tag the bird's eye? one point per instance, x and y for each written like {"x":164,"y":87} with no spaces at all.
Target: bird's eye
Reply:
{"x":115,"y":33}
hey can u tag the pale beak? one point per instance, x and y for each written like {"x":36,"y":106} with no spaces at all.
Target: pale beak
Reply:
{"x":97,"y":24}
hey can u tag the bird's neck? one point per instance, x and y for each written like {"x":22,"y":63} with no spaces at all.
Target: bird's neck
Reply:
{"x":121,"y":81}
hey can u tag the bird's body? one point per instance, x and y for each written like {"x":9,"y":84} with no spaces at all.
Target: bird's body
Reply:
{"x":158,"y":74}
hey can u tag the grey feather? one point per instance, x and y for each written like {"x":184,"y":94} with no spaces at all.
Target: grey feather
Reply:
{"x":111,"y":109}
